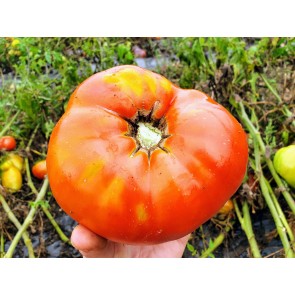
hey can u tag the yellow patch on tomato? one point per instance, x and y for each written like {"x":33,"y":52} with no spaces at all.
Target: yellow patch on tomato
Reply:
{"x":166,"y":85}
{"x":112,"y":194}
{"x":91,"y":171}
{"x":151,"y":83}
{"x":141,"y":212}
{"x":195,"y":111}
{"x":129,"y":80}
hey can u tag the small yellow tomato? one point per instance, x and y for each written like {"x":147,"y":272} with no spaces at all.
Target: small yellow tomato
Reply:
{"x":12,"y":179}
{"x":13,"y":160}
{"x":284,"y":163}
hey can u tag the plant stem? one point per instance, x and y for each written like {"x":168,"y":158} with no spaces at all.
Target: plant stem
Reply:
{"x":216,"y":243}
{"x":246,"y":225}
{"x":287,"y":112}
{"x":2,"y":249}
{"x":63,"y":237}
{"x":257,"y":138}
{"x":280,"y":211}
{"x":17,"y":224}
{"x":32,"y":138}
{"x":265,"y":192}
{"x":28,"y":219}
{"x":7,"y":126}
{"x":61,"y":234}
{"x":271,"y":88}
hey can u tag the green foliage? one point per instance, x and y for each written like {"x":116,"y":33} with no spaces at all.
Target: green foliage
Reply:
{"x":39,"y":203}
{"x":201,"y":57}
{"x":269,"y":134}
{"x":46,"y":71}
{"x":192,"y":249}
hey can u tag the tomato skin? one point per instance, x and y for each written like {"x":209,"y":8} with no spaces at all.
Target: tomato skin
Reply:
{"x":7,"y":143}
{"x":284,"y":163}
{"x":143,"y":197}
{"x":39,"y":169}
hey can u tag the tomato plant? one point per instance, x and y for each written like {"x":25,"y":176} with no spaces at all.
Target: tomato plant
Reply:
{"x":7,"y":143}
{"x":284,"y":163}
{"x":39,"y":169}
{"x":138,"y":160}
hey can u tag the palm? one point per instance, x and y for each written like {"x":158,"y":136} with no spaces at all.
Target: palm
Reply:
{"x":91,"y":245}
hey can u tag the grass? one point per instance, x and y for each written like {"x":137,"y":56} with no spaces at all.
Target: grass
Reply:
{"x":252,"y":77}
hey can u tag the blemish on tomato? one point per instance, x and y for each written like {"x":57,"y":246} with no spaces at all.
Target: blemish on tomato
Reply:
{"x":91,"y":171}
{"x":111,"y":196}
{"x":141,"y":212}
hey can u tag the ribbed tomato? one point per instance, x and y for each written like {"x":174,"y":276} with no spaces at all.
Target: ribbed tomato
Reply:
{"x":138,"y":160}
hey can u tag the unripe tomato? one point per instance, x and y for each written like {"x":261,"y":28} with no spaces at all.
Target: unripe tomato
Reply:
{"x":7,"y":143}
{"x":12,"y":160}
{"x":39,"y":169}
{"x":138,"y":160}
{"x":284,"y":163}
{"x":12,"y":179}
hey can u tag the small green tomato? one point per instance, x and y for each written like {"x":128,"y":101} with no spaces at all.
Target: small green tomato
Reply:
{"x":284,"y":163}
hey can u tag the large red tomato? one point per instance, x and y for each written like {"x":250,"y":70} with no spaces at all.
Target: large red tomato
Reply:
{"x":138,"y":160}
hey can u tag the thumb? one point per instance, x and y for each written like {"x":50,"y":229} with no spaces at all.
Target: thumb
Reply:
{"x":88,"y":243}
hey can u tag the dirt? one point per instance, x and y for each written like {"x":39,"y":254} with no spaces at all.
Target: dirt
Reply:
{"x":47,"y":243}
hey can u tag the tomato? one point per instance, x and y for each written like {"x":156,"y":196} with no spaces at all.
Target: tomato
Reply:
{"x":39,"y":169}
{"x":284,"y":163}
{"x":227,"y":208}
{"x":12,"y":160}
{"x":11,"y":179}
{"x":138,"y":160}
{"x":7,"y":143}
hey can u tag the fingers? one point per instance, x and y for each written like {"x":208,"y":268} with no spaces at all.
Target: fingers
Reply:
{"x":89,"y":244}
{"x":184,"y":239}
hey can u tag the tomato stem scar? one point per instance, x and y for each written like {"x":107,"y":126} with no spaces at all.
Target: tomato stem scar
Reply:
{"x":148,"y":132}
{"x":148,"y":136}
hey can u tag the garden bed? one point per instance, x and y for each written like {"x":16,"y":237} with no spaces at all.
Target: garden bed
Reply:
{"x":252,"y":78}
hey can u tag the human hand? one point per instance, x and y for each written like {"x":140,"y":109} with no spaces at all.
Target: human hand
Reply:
{"x":91,"y":245}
